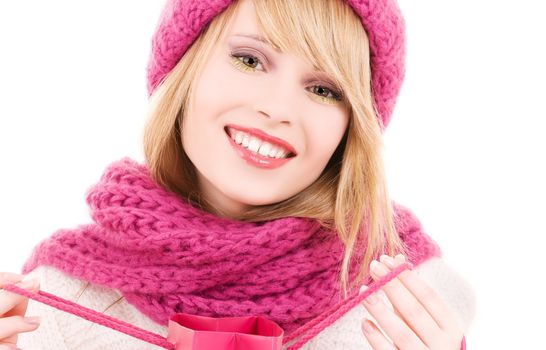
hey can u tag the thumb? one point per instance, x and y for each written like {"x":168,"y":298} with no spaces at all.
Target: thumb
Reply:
{"x":13,"y":325}
{"x":12,"y":304}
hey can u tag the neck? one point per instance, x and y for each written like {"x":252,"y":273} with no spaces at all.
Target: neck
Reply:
{"x":218,"y":203}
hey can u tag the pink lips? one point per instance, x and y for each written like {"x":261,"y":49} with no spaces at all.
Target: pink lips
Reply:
{"x":264,"y":136}
{"x":257,"y":159}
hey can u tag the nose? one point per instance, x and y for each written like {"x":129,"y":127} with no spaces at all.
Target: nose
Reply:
{"x":278,"y":100}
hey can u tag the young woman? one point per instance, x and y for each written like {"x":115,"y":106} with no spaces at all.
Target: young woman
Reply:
{"x":262,"y":193}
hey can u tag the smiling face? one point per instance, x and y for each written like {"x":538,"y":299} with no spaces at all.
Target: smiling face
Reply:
{"x":272,"y":102}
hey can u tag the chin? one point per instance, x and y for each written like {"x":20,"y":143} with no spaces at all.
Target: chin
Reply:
{"x":264,"y":199}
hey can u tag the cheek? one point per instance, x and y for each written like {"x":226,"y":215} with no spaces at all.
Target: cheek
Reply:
{"x":218,"y":87}
{"x":325,"y":133}
{"x":207,"y":95}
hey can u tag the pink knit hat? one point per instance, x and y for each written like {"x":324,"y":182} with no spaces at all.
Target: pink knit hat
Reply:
{"x":182,"y":20}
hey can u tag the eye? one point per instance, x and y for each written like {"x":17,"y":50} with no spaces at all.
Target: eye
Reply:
{"x":325,"y":92}
{"x":246,"y":62}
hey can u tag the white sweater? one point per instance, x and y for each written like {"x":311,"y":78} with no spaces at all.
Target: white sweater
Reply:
{"x":62,"y":331}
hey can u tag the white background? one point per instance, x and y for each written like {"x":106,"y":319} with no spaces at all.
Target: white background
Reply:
{"x":464,"y":151}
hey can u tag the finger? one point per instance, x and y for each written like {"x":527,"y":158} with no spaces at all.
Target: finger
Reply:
{"x":430,"y":299}
{"x":411,"y":310}
{"x":396,"y":329}
{"x":8,"y":277}
{"x":8,"y":346}
{"x":11,"y":326}
{"x":15,"y":303}
{"x":21,"y":308}
{"x":377,"y":340}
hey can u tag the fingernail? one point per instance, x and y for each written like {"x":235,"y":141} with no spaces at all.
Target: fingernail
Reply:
{"x":368,"y":327}
{"x":378,"y":268}
{"x":362,"y":289}
{"x":28,"y":283}
{"x":400,"y":257}
{"x":32,"y":320}
{"x":387,"y":260}
{"x":371,"y":299}
{"x":29,"y":278}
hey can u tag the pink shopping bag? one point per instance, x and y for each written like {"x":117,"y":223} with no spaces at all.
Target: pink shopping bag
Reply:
{"x":191,"y":332}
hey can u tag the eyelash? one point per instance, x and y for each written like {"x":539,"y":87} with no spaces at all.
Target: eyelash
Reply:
{"x":239,"y":63}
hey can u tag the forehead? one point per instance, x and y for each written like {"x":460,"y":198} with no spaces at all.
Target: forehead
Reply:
{"x":244,"y":19}
{"x":245,"y":24}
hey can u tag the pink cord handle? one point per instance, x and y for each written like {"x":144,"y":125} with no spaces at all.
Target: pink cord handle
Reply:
{"x":316,"y":325}
{"x":305,"y":332}
{"x":93,"y":316}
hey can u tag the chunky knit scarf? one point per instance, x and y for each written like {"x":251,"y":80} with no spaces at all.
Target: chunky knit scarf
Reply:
{"x":166,"y":256}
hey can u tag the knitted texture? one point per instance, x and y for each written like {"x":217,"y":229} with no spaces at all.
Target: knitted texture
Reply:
{"x":166,"y":256}
{"x":181,"y":21}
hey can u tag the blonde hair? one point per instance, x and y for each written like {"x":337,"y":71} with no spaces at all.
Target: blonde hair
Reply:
{"x":350,"y":196}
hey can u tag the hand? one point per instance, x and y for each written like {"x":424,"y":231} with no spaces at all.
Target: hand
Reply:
{"x":12,"y":310}
{"x":420,"y":319}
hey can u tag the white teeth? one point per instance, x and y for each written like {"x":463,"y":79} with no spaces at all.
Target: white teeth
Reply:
{"x":246,"y":140}
{"x":254,"y":144}
{"x":264,"y":149}
{"x":257,"y":146}
{"x":272,"y":152}
{"x":239,"y":138}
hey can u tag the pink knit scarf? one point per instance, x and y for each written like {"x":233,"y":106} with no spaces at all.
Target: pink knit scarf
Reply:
{"x":166,"y":256}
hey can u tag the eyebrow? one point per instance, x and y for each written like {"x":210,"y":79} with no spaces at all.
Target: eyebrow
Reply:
{"x":253,"y":36}
{"x":260,"y":39}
